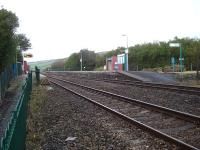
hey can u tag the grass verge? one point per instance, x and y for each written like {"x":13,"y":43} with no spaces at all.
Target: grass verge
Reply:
{"x":35,"y":131}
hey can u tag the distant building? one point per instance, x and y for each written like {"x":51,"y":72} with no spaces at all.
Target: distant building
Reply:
{"x":116,"y":63}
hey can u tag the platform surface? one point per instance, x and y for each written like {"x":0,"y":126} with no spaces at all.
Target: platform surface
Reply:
{"x":147,"y":76}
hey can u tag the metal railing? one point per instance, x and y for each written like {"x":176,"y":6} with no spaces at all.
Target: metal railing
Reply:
{"x":7,"y":75}
{"x":15,"y":133}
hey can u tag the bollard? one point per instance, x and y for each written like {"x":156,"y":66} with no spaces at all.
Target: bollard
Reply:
{"x":37,"y":74}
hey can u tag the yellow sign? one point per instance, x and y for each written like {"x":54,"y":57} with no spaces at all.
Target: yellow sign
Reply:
{"x":28,"y":55}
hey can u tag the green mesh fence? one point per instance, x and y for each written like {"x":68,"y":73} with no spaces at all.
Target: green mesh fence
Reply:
{"x":15,"y":134}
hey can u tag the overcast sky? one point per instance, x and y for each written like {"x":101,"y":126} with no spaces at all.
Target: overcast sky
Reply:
{"x":57,"y":28}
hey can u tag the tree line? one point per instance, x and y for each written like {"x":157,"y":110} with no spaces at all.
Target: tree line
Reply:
{"x":147,"y":55}
{"x":11,"y":43}
{"x":151,"y":55}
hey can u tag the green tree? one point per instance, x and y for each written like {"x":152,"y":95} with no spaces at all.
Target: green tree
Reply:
{"x":23,"y":42}
{"x":19,"y":56}
{"x":9,"y":40}
{"x":88,"y":59}
{"x":100,"y":60}
{"x":196,"y":47}
{"x":115,"y":52}
{"x":58,"y":65}
{"x":73,"y":62}
{"x":8,"y":25}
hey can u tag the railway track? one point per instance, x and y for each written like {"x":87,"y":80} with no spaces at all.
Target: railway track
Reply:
{"x":177,"y":127}
{"x":169,"y":87}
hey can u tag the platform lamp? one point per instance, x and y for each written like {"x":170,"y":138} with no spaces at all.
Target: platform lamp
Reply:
{"x":126,"y":51}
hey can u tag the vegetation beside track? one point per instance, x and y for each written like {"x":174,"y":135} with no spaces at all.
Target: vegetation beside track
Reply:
{"x":35,"y":129}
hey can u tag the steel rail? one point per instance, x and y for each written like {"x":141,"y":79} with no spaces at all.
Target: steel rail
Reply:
{"x":145,"y":127}
{"x":171,"y":112}
{"x":185,"y":89}
{"x":170,"y":87}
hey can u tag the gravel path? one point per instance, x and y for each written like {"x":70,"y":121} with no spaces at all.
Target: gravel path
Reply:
{"x":73,"y":123}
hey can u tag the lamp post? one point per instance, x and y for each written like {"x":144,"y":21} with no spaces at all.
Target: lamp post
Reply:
{"x":126,"y":51}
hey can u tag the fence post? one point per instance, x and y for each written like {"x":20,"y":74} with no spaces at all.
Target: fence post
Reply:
{"x":37,"y":73}
{"x":0,"y":87}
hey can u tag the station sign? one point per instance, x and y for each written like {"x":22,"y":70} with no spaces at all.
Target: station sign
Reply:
{"x":174,"y":44}
{"x":121,"y":59}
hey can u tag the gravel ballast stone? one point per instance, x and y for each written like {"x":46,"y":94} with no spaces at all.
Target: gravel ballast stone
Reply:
{"x":171,"y":99}
{"x":71,"y":122}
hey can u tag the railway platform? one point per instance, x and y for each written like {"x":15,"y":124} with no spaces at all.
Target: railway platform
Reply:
{"x":147,"y":76}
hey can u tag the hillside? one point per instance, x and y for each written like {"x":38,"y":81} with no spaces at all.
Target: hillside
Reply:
{"x":42,"y":65}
